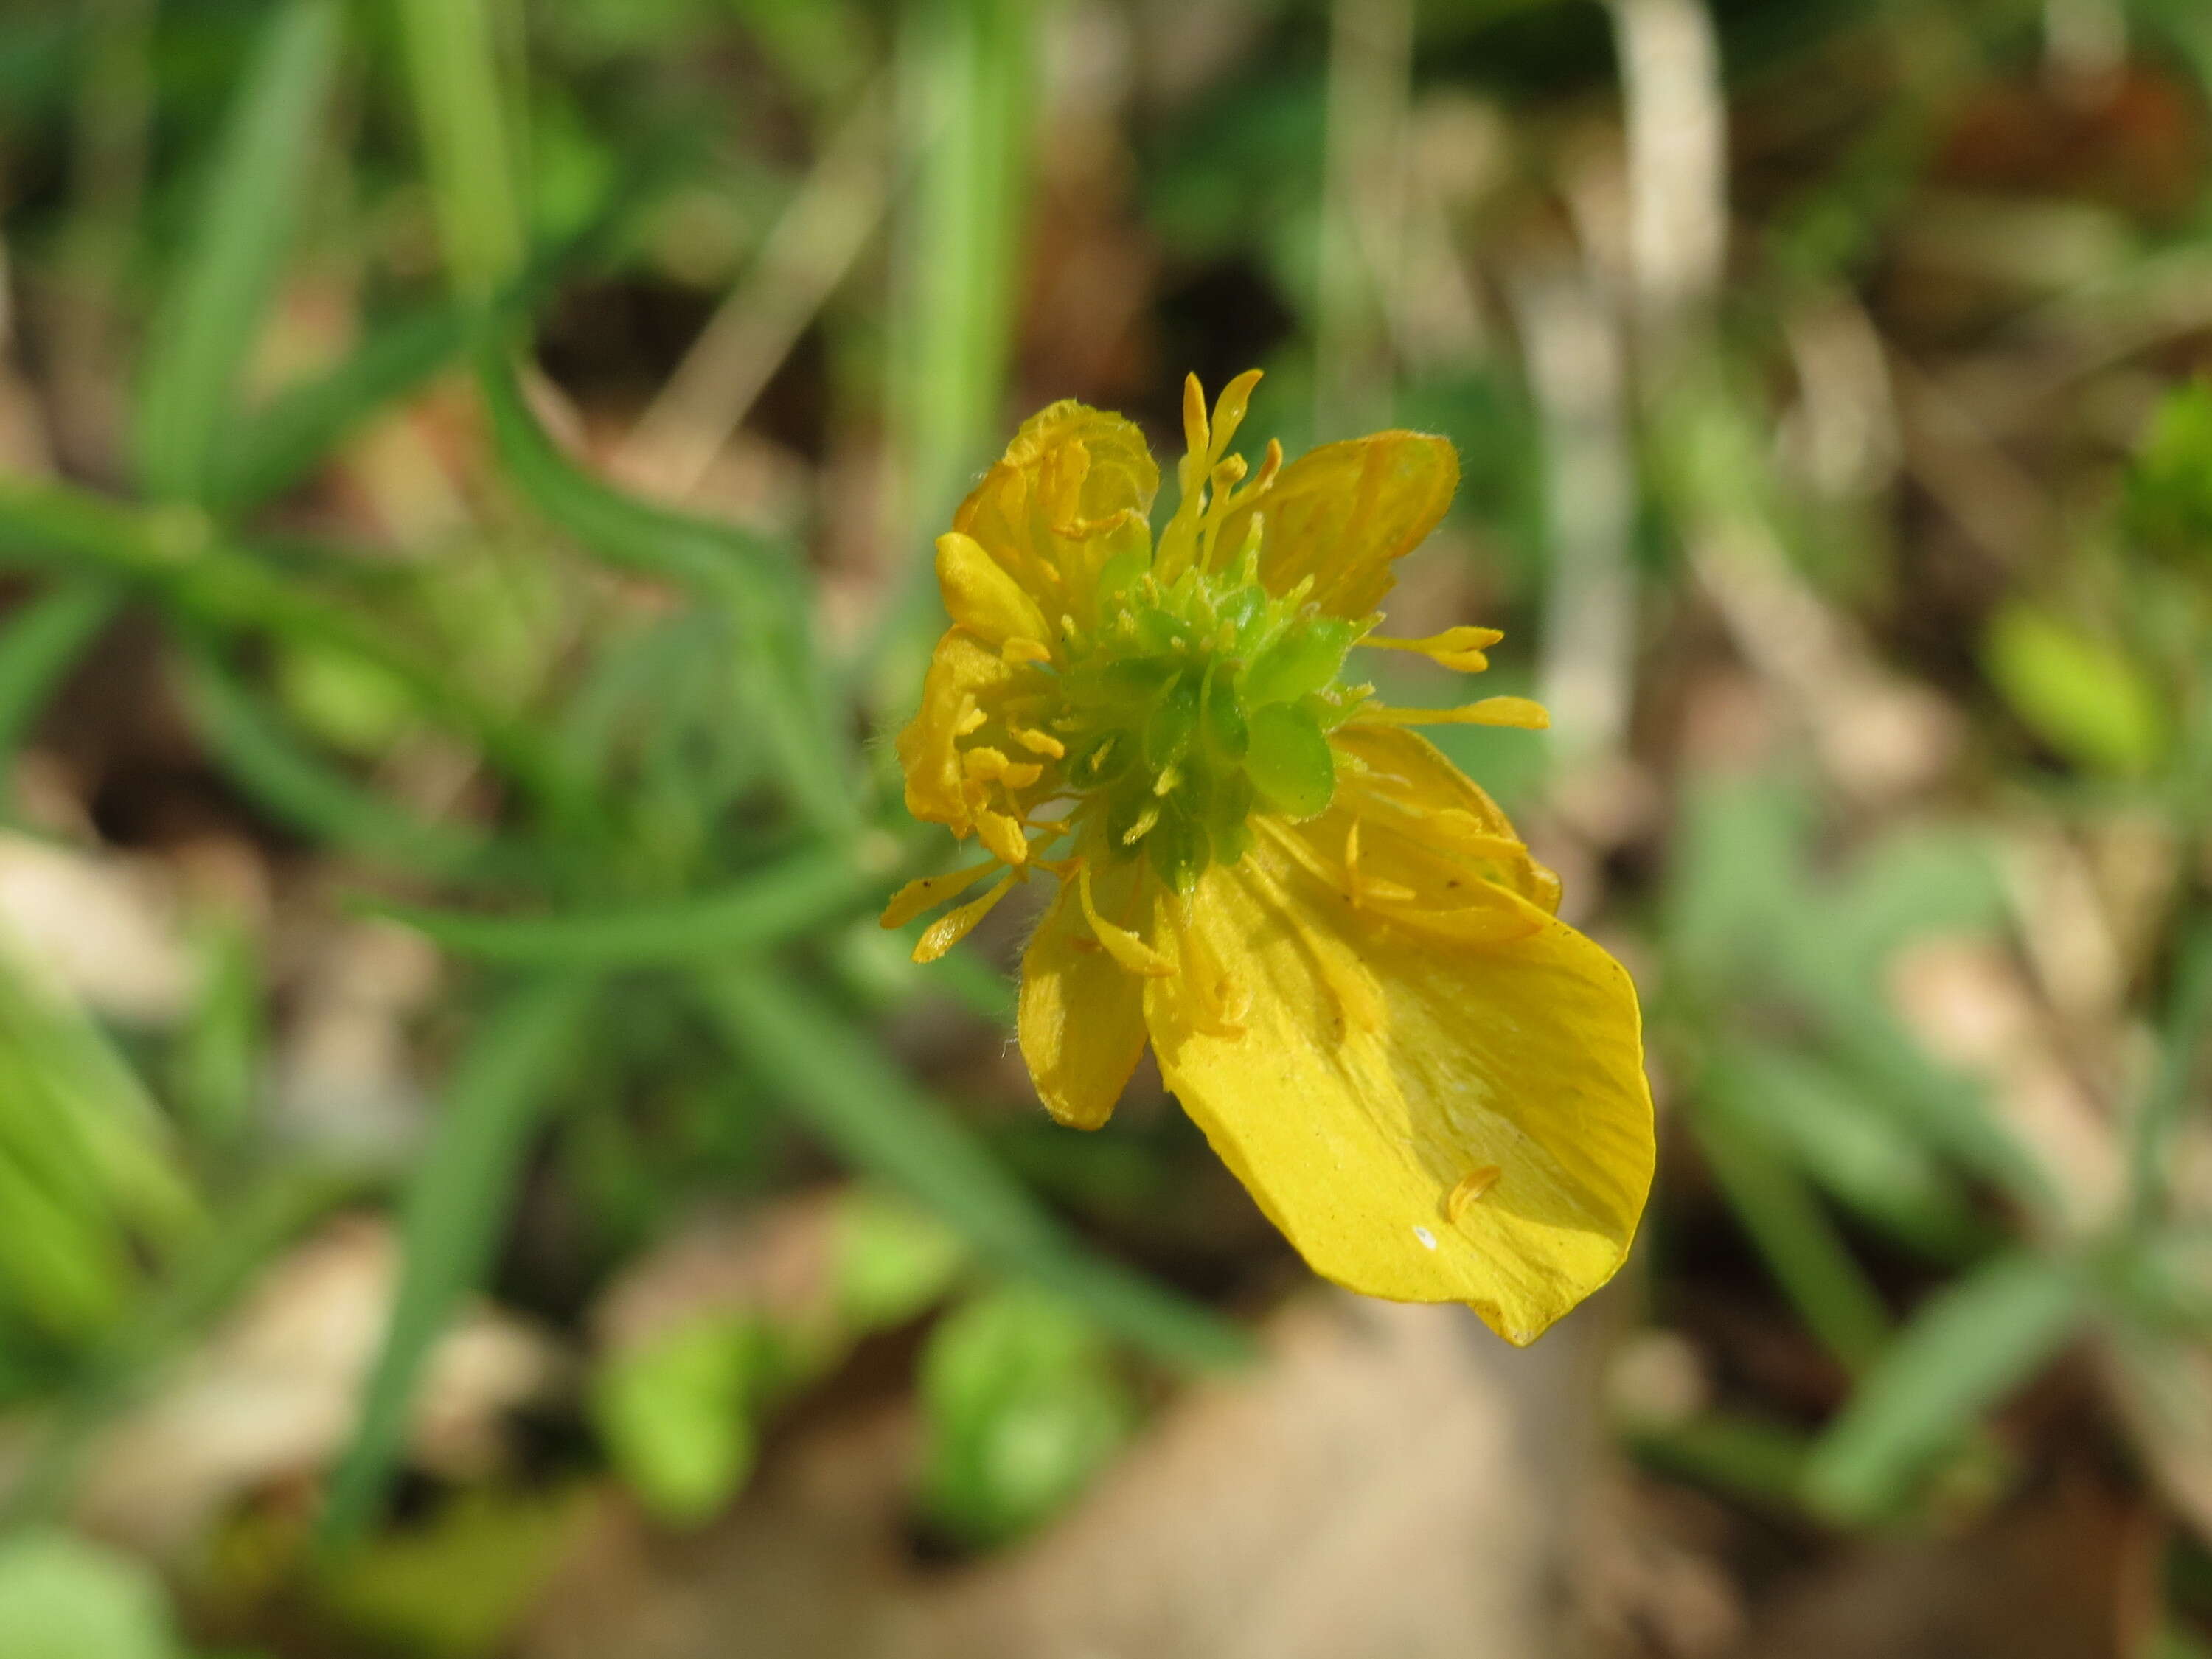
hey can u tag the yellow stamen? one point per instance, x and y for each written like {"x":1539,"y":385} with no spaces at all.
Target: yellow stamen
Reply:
{"x":1221,"y":1000}
{"x":1040,"y":743}
{"x":1143,"y":827}
{"x":930,"y":892}
{"x":1460,"y":649}
{"x":1472,"y":1186}
{"x":948,"y":930}
{"x":1521,"y":712}
{"x":1003,"y":835}
{"x":1124,"y":946}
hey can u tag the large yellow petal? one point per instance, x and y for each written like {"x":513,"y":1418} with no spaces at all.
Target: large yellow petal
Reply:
{"x":1425,"y":1121}
{"x":1401,"y":786}
{"x":963,"y":672}
{"x":1342,"y":513}
{"x":1072,"y":491}
{"x":1082,"y":1019}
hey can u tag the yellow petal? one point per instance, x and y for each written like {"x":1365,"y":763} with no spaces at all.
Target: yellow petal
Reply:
{"x":1421,"y":811}
{"x":963,"y":672}
{"x":1072,"y":491}
{"x":1082,"y":1020}
{"x":1383,"y":1074}
{"x":1341,"y":514}
{"x":982,"y":597}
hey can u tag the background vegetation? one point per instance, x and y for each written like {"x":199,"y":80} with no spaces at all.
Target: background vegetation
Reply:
{"x":466,"y":471}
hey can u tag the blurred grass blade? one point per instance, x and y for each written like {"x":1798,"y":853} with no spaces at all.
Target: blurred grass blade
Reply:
{"x":278,"y":446}
{"x":452,"y":65}
{"x":247,"y":1233}
{"x":613,"y":525}
{"x":964,"y":74}
{"x":1799,"y":1244}
{"x":797,"y":894}
{"x":197,"y":574}
{"x":309,"y":794}
{"x":833,"y":1077}
{"x":2189,"y":1009}
{"x":456,"y":1205}
{"x":214,"y":1069}
{"x":1970,"y":1345}
{"x":90,"y":1183}
{"x":41,"y":643}
{"x":765,"y":595}
{"x":1851,"y":1149}
{"x":245,"y":226}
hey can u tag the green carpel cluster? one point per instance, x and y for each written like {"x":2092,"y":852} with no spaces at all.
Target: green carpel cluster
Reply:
{"x":1196,"y":703}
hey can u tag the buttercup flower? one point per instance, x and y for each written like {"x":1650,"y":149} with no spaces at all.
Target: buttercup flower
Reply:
{"x":1344,"y":959}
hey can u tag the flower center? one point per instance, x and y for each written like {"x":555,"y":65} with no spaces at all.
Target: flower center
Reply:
{"x":1196,"y":702}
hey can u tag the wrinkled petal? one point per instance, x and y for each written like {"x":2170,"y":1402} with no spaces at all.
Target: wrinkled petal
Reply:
{"x":1385,"y":1073}
{"x":1082,"y":1018}
{"x":1072,"y":492}
{"x":981,"y":597}
{"x":1419,"y":808}
{"x":1342,"y":513}
{"x":963,"y":672}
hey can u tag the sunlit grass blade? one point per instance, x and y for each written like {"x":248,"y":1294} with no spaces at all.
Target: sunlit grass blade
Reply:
{"x":831,"y":1076}
{"x":464,"y":115}
{"x":965,"y":75}
{"x":762,"y":592}
{"x":38,"y":646}
{"x":245,"y":226}
{"x":308,"y":793}
{"x":456,"y":1205}
{"x":798,"y":894}
{"x":1970,"y":1345}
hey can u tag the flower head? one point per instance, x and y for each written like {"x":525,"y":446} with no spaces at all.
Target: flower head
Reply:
{"x":1344,"y":957}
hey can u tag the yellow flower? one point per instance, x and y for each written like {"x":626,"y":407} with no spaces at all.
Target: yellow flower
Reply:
{"x":1344,"y":959}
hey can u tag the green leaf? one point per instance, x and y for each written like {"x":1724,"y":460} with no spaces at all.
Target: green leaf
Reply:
{"x":2084,"y":698}
{"x":800,"y":892}
{"x":890,"y":1261}
{"x":456,"y":1205}
{"x":1290,"y":762}
{"x":835,"y":1079}
{"x":1021,"y":1407}
{"x":676,"y":1414}
{"x":1972,"y":1343}
{"x":246,"y":225}
{"x":2170,"y":486}
{"x":62,"y":1597}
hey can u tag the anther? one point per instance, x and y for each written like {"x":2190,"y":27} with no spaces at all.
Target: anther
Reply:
{"x":1472,"y":1186}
